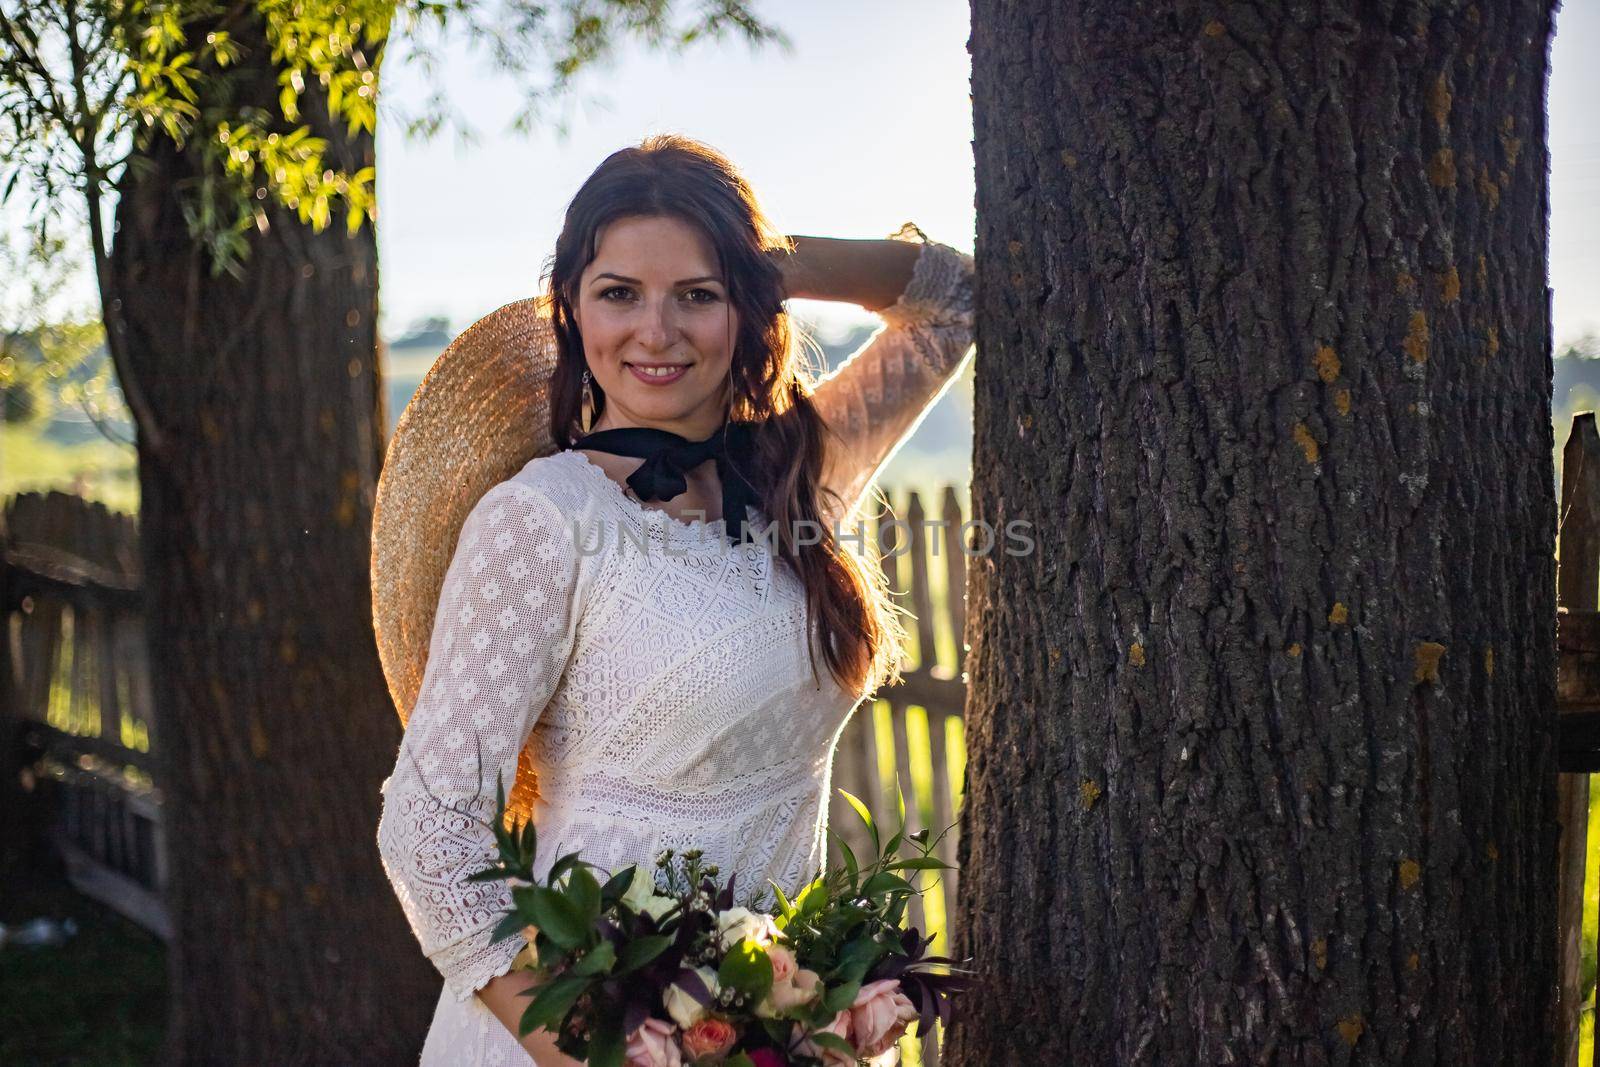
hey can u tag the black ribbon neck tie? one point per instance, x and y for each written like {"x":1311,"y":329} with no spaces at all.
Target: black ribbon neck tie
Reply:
{"x":668,"y":457}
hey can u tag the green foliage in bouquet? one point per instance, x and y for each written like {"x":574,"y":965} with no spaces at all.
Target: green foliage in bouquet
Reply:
{"x":852,"y":915}
{"x":619,"y":949}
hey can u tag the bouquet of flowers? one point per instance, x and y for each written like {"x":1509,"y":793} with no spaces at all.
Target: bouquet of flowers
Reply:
{"x":665,"y":971}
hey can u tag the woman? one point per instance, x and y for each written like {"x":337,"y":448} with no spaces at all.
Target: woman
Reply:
{"x":669,"y":697}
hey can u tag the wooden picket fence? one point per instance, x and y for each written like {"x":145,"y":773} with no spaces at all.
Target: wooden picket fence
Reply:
{"x":907,"y":740}
{"x":75,"y":717}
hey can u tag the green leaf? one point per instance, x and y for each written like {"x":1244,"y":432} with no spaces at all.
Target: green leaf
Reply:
{"x":813,"y":898}
{"x":528,"y":843}
{"x":885,"y":881}
{"x":814,"y":1014}
{"x":551,"y":1002}
{"x":921,"y":863}
{"x":827,"y":1039}
{"x":850,"y":865}
{"x":866,"y":816}
{"x":857,"y":957}
{"x":584,"y":892}
{"x":597,"y":961}
{"x":522,"y":899}
{"x":840,"y":997}
{"x":641,"y":950}
{"x":780,"y":1030}
{"x":606,"y":1047}
{"x":739,"y":1059}
{"x":785,"y":909}
{"x":618,"y":884}
{"x":562,"y":865}
{"x":558,"y":917}
{"x":510,"y":925}
{"x":748,"y":969}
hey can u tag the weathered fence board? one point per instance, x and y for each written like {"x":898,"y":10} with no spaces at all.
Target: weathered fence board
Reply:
{"x":912,"y":549}
{"x":1577,"y":590}
{"x":76,"y":685}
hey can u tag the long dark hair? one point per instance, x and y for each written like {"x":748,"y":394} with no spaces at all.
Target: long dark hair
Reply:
{"x":771,"y":384}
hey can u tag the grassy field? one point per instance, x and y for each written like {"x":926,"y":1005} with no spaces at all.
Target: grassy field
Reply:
{"x":96,"y":469}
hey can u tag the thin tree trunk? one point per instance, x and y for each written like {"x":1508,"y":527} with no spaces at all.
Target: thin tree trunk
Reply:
{"x":275,"y":723}
{"x":1260,"y":735}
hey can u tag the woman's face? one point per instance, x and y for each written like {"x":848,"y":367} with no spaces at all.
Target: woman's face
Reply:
{"x":653,"y":297}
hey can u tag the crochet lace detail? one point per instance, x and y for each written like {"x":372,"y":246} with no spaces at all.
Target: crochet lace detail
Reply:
{"x":875,"y":399}
{"x":660,"y":671}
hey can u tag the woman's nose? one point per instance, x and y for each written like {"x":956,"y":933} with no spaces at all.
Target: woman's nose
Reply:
{"x":658,"y":325}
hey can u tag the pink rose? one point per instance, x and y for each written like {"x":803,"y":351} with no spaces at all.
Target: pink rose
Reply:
{"x":766,"y":1057}
{"x":842,"y":1026}
{"x":799,"y":988}
{"x":653,"y":1045}
{"x":710,"y":1036}
{"x":879,"y":1016}
{"x":783,"y":963}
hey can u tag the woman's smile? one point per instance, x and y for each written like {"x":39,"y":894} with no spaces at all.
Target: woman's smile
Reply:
{"x":658,"y":373}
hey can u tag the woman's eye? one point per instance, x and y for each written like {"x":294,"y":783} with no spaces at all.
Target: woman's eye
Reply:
{"x":696,"y":296}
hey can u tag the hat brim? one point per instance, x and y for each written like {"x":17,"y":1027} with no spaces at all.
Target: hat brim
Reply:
{"x":481,"y":413}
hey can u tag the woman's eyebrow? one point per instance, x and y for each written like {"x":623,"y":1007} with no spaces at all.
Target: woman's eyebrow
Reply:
{"x":684,"y":281}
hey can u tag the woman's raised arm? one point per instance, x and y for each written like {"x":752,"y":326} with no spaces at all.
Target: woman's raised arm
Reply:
{"x":875,"y":399}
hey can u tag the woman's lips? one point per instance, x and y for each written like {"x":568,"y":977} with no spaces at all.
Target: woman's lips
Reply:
{"x":657,"y":379}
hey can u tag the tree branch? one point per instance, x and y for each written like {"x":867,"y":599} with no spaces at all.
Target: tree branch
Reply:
{"x":144,"y":415}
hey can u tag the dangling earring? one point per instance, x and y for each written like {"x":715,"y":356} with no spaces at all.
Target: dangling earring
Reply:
{"x":588,"y":401}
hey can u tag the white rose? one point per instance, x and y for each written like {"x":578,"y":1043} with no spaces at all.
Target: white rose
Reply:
{"x":658,"y":905}
{"x":736,"y":924}
{"x":684,"y":1009}
{"x":642,"y":896}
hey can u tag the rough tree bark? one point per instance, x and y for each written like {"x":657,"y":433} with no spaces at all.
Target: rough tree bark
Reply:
{"x":1260,"y":737}
{"x":275,"y":722}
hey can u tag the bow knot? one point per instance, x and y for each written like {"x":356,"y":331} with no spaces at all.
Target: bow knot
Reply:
{"x":668,"y":457}
{"x":665,"y":474}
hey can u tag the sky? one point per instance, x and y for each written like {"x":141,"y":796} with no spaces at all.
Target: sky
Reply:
{"x":1575,"y":171}
{"x":864,"y":124}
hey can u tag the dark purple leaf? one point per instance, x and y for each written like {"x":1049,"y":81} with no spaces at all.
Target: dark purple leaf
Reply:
{"x":689,"y":981}
{"x":634,"y":1015}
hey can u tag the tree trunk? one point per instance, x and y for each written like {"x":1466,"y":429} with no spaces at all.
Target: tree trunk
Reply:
{"x":275,"y":723}
{"x":1260,"y":735}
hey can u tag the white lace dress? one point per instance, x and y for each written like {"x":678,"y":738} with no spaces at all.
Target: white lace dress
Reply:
{"x":661,"y":671}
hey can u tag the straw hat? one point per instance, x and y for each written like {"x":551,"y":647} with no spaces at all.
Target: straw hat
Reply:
{"x":481,"y":413}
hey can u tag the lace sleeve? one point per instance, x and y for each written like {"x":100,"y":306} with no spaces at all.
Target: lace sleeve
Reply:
{"x":876,"y":398}
{"x":501,"y":639}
